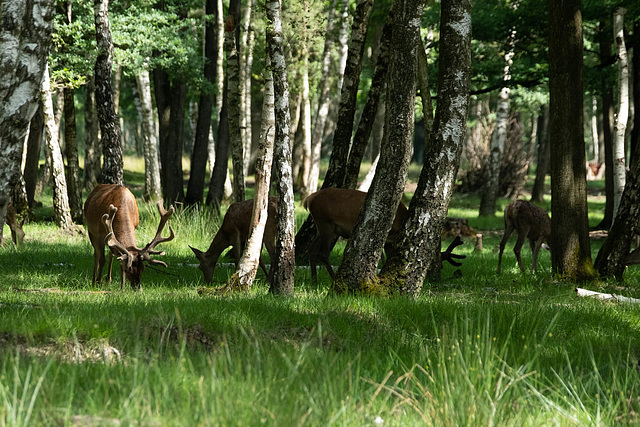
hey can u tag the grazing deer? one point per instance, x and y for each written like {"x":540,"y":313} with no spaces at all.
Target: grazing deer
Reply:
{"x":529,"y":221}
{"x":335,"y":211}
{"x":17,"y":233}
{"x":234,"y":232}
{"x":112,"y":217}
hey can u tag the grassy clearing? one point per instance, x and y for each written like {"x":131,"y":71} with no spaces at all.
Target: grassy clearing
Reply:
{"x":480,"y":349}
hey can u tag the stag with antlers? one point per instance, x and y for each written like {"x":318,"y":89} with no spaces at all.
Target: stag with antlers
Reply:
{"x":112,"y":217}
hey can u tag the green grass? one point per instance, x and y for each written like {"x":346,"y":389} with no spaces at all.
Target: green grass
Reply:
{"x":480,"y":349}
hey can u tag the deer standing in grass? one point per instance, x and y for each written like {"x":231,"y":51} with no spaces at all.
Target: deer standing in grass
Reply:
{"x":529,"y":221}
{"x":335,"y":211}
{"x":112,"y":217}
{"x":234,"y":232}
{"x":17,"y":233}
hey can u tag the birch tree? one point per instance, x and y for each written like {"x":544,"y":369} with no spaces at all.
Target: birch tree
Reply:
{"x":248,"y":266}
{"x":152,"y":187}
{"x":284,"y":265}
{"x":417,"y":250}
{"x":25,"y":40}
{"x":61,"y":210}
{"x":357,"y":272}
{"x":619,"y":166}
{"x":93,"y":147}
{"x":233,"y":99}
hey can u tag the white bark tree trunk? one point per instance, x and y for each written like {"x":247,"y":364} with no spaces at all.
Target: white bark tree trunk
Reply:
{"x":61,"y":210}
{"x":619,"y":167}
{"x":246,"y":62}
{"x":248,"y":265}
{"x":284,"y":265}
{"x":233,"y":96}
{"x":152,"y":188}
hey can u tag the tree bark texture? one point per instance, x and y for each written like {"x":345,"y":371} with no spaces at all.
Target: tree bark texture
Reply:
{"x":417,"y":251}
{"x":346,"y":113}
{"x":544,"y":154}
{"x":61,"y":210}
{"x":619,"y":146}
{"x":152,"y":187}
{"x":357,"y":272}
{"x":635,"y":67}
{"x":365,"y":125}
{"x":305,"y":168}
{"x":25,"y":39}
{"x":172,"y":167}
{"x":112,"y":166}
{"x":195,"y":188}
{"x":324,"y":101}
{"x":34,"y":148}
{"x":248,"y":265}
{"x":74,"y":187}
{"x":570,"y":254}
{"x":233,"y":101}
{"x":492,"y":176}
{"x":92,"y":163}
{"x":245,"y":58}
{"x":610,"y":261}
{"x":284,"y":265}
{"x":607,"y":121}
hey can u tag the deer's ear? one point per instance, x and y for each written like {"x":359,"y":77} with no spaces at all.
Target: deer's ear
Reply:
{"x":196,"y":252}
{"x":547,"y":247}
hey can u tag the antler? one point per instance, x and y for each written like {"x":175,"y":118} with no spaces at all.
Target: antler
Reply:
{"x":149,"y":249}
{"x":110,"y":239}
{"x":449,"y":256}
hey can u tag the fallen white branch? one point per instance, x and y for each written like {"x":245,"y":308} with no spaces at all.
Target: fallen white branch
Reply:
{"x":619,"y":298}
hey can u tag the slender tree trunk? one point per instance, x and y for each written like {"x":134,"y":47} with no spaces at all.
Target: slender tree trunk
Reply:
{"x":93,"y":148}
{"x":284,"y":265}
{"x":344,"y":127}
{"x":34,"y":148}
{"x":358,"y":269}
{"x":306,"y":126}
{"x":172,"y":168}
{"x":365,"y":126}
{"x":152,"y":187}
{"x":607,"y":121}
{"x":417,"y":251}
{"x":112,"y":167}
{"x":571,"y":253}
{"x":248,"y":265}
{"x":635,"y":67}
{"x":233,"y":96}
{"x":61,"y":210}
{"x":195,"y":189}
{"x":26,"y":38}
{"x":492,"y":174}
{"x":245,"y":61}
{"x":619,"y":166}
{"x":324,"y":101}
{"x":544,"y":154}
{"x":71,"y":152}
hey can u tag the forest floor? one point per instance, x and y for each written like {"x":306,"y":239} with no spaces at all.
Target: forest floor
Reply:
{"x":475,"y":349}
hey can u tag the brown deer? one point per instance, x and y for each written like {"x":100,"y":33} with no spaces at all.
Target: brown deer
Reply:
{"x":112,"y":217}
{"x":335,"y":211}
{"x":529,"y":221}
{"x":17,"y":233}
{"x":234,"y":232}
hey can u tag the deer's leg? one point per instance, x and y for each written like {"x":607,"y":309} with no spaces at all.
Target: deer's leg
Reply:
{"x":236,"y":246}
{"x":535,"y":249}
{"x":98,"y":259}
{"x":517,"y":249}
{"x":109,"y":267}
{"x":508,"y":229}
{"x":123,"y":278}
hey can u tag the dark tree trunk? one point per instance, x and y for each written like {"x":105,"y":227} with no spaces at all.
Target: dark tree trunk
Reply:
{"x":344,"y":127}
{"x":34,"y":148}
{"x":416,"y":254}
{"x":365,"y":126}
{"x":635,"y":69}
{"x":195,"y":189}
{"x":72,"y":172}
{"x":571,"y":252}
{"x":284,"y":265}
{"x":162,"y":91}
{"x":234,"y":111}
{"x":607,"y":125}
{"x":335,"y":175}
{"x":219,"y":173}
{"x":544,"y":154}
{"x":174,"y":191}
{"x":112,"y":167}
{"x":358,"y":270}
